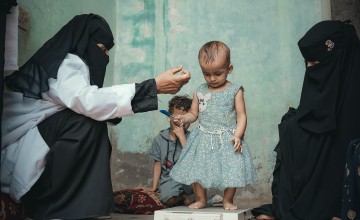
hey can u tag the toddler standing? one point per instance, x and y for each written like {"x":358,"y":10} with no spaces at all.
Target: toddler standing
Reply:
{"x":215,"y":154}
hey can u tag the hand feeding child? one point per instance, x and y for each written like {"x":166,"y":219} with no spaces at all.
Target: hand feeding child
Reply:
{"x":165,"y":151}
{"x":215,"y":154}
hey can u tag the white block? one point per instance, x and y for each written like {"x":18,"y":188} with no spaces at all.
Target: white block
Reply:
{"x":209,"y":213}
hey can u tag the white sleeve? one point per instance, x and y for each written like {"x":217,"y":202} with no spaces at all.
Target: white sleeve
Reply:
{"x":72,"y":88}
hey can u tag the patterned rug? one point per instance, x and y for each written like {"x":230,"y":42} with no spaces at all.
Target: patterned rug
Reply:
{"x":137,"y":201}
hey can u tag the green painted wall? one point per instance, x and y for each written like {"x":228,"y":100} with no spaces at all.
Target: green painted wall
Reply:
{"x":262,"y":35}
{"x":152,"y":36}
{"x":48,"y":16}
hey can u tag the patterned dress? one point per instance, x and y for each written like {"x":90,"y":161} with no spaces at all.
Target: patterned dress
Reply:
{"x":208,"y":156}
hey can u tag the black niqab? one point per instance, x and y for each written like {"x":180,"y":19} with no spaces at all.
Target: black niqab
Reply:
{"x":97,"y":61}
{"x":79,"y":36}
{"x":333,"y":45}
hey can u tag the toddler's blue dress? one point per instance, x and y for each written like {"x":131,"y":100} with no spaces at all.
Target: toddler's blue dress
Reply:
{"x":208,"y":157}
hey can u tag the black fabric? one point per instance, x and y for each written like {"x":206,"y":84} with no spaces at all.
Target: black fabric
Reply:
{"x":276,"y":173}
{"x":145,"y":98}
{"x":313,"y":139}
{"x":97,"y":61}
{"x":75,"y":37}
{"x":114,"y":121}
{"x":303,"y":160}
{"x":76,"y":182}
{"x":2,"y":60}
{"x":323,"y":40}
{"x":6,"y":5}
{"x":351,"y":191}
{"x":265,"y":209}
{"x":323,"y":87}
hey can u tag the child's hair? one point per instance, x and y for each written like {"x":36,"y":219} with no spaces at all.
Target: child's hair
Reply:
{"x":180,"y":102}
{"x":212,"y":50}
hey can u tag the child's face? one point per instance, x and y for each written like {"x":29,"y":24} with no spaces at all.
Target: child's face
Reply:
{"x":215,"y":73}
{"x":175,"y":112}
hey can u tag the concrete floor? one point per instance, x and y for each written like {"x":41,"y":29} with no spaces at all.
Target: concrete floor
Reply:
{"x":115,"y":216}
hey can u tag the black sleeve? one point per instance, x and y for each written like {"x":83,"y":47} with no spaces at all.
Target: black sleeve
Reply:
{"x":6,"y":5}
{"x":114,"y":121}
{"x":145,"y":98}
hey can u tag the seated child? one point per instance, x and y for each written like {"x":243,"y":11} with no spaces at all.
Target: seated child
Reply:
{"x":165,"y":151}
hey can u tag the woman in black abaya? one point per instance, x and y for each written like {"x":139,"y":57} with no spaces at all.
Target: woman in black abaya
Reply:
{"x":55,"y":145}
{"x":309,"y":171}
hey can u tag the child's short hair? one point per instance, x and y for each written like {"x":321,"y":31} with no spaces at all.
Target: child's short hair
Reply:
{"x":180,"y":102}
{"x":211,"y":50}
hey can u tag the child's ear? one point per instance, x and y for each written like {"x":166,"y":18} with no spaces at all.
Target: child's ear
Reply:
{"x":230,"y":68}
{"x":168,"y":119}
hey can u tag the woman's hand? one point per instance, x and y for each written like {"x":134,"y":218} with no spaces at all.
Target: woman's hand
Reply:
{"x":169,"y":83}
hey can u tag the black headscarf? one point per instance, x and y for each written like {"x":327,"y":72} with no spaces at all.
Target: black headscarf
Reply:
{"x":335,"y":45}
{"x":79,"y":36}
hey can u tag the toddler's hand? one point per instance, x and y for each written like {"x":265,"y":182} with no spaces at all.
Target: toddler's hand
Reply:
{"x":237,"y":144}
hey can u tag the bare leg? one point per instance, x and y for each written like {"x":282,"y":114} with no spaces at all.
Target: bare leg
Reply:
{"x":194,"y":189}
{"x":228,"y":199}
{"x":200,"y":197}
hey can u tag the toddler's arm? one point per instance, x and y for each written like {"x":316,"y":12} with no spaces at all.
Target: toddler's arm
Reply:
{"x":241,"y":120}
{"x":191,"y":115}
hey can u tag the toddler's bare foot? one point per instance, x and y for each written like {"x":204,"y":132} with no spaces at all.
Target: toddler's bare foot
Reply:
{"x":198,"y":205}
{"x":229,"y":206}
